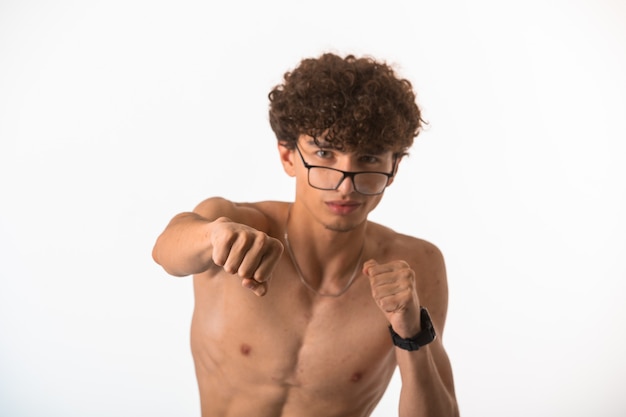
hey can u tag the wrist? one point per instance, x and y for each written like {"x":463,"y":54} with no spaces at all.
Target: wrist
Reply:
{"x":408,"y":323}
{"x":422,"y":337}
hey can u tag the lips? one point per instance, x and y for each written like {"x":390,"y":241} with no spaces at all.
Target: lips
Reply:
{"x":343,"y":207}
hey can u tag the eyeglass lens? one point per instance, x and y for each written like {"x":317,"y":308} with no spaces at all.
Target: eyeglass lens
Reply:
{"x":364,"y":182}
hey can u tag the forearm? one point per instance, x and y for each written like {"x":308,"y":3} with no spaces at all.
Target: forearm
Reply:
{"x":184,"y":247}
{"x":427,"y":389}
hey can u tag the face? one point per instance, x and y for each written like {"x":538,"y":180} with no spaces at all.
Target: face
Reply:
{"x":343,"y":208}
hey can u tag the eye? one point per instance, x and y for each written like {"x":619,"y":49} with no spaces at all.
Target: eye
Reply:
{"x":324,"y":153}
{"x":369,"y":159}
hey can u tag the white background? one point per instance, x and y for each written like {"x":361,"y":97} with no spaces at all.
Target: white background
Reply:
{"x":115,"y":116}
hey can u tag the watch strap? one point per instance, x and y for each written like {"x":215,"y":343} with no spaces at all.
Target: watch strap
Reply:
{"x":425,"y":336}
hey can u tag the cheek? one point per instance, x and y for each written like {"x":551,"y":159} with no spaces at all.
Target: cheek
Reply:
{"x":304,"y":191}
{"x":373,"y":202}
{"x":302,"y":179}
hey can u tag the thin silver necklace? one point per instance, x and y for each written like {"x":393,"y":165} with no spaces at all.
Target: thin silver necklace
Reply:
{"x":301,"y":275}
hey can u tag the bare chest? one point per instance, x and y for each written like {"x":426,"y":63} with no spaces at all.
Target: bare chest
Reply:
{"x":299,"y":343}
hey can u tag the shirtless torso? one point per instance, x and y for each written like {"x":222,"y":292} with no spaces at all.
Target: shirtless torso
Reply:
{"x":267,"y":336}
{"x":292,"y":352}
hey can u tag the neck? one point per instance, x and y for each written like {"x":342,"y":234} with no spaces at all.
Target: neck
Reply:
{"x":323,"y":235}
{"x":326,"y":260}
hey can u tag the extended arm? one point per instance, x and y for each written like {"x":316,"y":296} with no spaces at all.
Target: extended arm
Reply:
{"x":184,"y":247}
{"x":223,"y":234}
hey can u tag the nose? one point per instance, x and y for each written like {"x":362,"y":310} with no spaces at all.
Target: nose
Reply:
{"x":348,"y":164}
{"x":346,"y":186}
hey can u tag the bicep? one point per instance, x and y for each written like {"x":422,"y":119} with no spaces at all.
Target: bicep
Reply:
{"x":435,"y":293}
{"x":432,"y":283}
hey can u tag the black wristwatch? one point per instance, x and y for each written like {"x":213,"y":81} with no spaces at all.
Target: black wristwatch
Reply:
{"x":424,"y":337}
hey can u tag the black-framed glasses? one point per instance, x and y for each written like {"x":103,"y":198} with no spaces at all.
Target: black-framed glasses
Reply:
{"x":364,"y":182}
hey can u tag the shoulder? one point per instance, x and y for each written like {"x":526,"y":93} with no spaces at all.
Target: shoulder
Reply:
{"x":410,"y":248}
{"x":266,"y":216}
{"x":424,"y":257}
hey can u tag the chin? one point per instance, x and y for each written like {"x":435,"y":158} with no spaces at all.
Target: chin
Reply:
{"x":343,"y":226}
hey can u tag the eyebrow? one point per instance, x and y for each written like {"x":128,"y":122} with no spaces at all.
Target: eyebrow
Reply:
{"x":318,"y":142}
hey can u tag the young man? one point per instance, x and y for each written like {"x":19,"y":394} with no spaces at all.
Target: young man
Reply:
{"x":331,"y":303}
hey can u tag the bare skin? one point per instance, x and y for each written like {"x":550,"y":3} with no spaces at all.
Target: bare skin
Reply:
{"x":266,"y":345}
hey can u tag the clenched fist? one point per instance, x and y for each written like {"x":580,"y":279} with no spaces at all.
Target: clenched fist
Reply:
{"x":394,"y":290}
{"x":246,"y":252}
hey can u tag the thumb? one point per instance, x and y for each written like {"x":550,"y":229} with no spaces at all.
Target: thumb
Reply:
{"x":367,"y":265}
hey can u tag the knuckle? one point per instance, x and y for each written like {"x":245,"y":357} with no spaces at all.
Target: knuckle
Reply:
{"x":407,"y":274}
{"x":219,"y":257}
{"x":272,"y":247}
{"x":224,"y":238}
{"x":258,"y":240}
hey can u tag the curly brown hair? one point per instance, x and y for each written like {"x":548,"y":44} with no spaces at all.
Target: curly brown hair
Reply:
{"x":353,"y":103}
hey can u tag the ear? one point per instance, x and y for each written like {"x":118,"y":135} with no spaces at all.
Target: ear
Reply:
{"x":287,"y":158}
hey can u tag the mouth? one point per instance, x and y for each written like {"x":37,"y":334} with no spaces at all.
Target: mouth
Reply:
{"x":343,"y":207}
